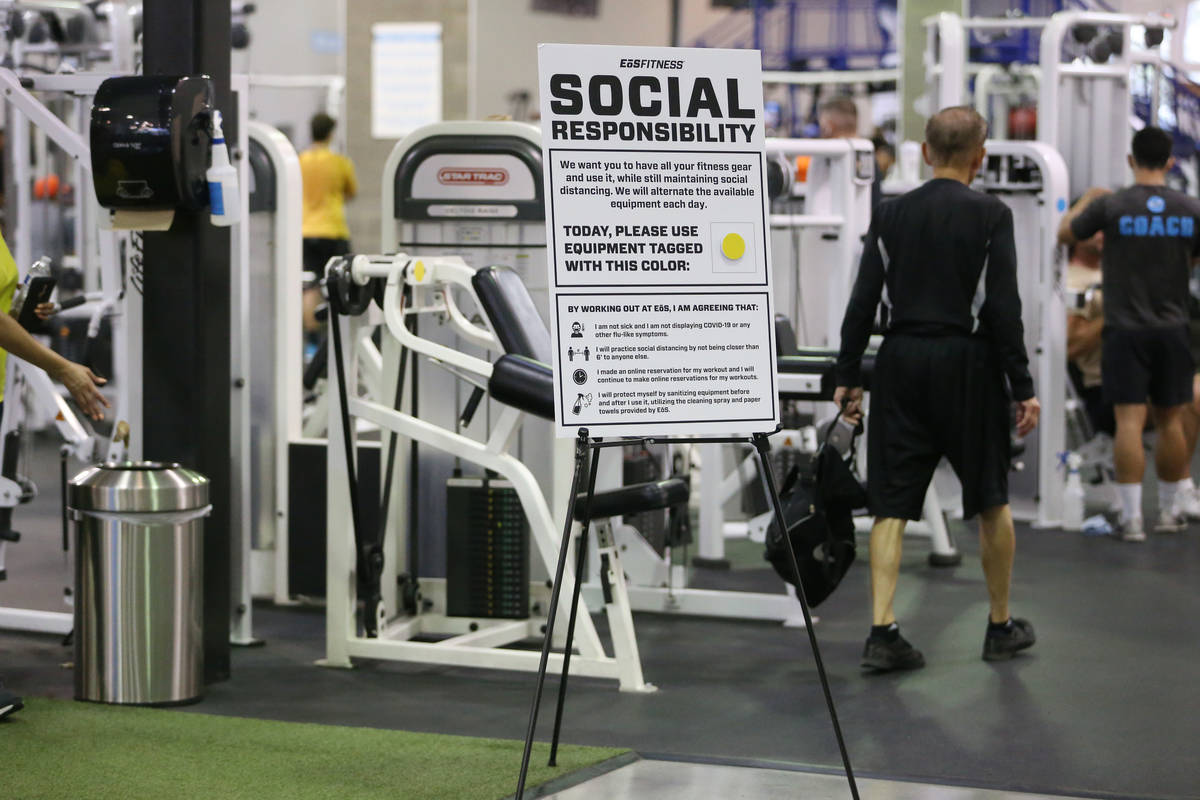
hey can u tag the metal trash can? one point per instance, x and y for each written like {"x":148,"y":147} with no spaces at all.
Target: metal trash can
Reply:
{"x":139,"y":578}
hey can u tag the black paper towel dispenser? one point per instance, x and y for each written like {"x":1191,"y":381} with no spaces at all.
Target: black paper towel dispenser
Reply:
{"x":150,"y":142}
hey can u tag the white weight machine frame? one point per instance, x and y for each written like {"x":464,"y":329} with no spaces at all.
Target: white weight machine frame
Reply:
{"x":1101,"y":164}
{"x":269,"y":568}
{"x":123,"y":308}
{"x":472,"y":642}
{"x":1049,"y":357}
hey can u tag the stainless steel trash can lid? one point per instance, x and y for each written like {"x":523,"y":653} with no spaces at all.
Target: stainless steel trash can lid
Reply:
{"x":138,"y":486}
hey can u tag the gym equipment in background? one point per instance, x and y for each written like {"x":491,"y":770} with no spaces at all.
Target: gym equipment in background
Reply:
{"x":366,"y":617}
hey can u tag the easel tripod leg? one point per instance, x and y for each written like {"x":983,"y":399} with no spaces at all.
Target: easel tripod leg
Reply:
{"x":764,"y":447}
{"x":581,"y":449}
{"x":585,"y":521}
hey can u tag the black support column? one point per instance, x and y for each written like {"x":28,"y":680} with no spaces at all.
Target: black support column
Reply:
{"x":186,"y":316}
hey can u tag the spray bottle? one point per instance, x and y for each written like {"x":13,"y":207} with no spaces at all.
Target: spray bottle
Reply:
{"x":223,"y":196}
{"x":1073,"y":495}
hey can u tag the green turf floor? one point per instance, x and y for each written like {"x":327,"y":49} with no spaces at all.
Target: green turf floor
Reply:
{"x":63,"y":749}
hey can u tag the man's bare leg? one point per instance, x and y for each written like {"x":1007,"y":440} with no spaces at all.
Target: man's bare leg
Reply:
{"x":1129,"y":462}
{"x":1191,"y":421}
{"x":1188,"y":501}
{"x":887,"y":540}
{"x":1171,"y":449}
{"x":1129,"y":456}
{"x":1005,"y":636}
{"x":886,"y":649}
{"x":998,"y":544}
{"x":1171,"y":457}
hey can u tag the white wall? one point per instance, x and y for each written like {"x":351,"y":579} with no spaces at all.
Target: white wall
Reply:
{"x":506,"y":34}
{"x":282,"y":42}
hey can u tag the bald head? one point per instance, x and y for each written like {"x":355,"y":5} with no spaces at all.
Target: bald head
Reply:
{"x":838,"y":117}
{"x":954,"y":136}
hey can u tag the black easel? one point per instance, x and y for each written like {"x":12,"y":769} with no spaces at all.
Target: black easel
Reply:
{"x":583,"y":444}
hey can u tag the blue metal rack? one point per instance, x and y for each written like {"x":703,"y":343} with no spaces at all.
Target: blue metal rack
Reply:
{"x":798,"y":34}
{"x":843,"y":34}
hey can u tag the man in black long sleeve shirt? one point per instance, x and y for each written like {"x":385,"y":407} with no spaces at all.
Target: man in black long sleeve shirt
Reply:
{"x":942,"y":261}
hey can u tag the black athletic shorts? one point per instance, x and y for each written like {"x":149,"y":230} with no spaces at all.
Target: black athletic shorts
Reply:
{"x":935,"y":397}
{"x":317,"y":253}
{"x":1152,"y":364}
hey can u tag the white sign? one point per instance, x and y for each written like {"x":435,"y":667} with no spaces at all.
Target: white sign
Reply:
{"x":656,"y":225}
{"x":406,"y":77}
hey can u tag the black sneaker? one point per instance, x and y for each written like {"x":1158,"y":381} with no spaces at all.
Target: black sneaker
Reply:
{"x":1001,"y":644}
{"x":882,"y":655}
{"x":9,"y":704}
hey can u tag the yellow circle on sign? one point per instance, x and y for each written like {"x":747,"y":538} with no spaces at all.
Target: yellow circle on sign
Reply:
{"x":733,"y":246}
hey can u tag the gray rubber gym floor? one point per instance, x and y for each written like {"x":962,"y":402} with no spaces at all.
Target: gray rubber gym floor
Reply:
{"x":667,"y":780}
{"x":1107,"y":704}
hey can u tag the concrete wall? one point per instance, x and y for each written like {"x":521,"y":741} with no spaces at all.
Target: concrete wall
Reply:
{"x":508,"y":33}
{"x":369,"y":154}
{"x":292,"y":37}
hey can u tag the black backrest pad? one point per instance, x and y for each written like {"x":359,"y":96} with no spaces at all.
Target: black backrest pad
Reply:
{"x":511,"y":312}
{"x":785,"y":336}
{"x":524,"y":384}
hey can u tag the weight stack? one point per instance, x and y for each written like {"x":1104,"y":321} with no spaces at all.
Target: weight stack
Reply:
{"x":487,"y":550}
{"x":642,"y":466}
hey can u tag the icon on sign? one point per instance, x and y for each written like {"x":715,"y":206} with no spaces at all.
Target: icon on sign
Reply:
{"x":585,"y":354}
{"x":579,"y":376}
{"x":733,"y":247}
{"x":576,"y":330}
{"x":582,"y":401}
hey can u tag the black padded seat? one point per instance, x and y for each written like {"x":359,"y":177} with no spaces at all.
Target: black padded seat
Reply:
{"x":785,"y":336}
{"x":633,"y":499}
{"x":513,"y":317}
{"x":524,"y":384}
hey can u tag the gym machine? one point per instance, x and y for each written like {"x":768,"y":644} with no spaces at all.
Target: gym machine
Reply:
{"x":276,"y":361}
{"x":1087,"y":61}
{"x":470,"y":616}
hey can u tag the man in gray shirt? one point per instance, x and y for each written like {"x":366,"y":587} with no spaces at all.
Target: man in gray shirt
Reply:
{"x":1151,"y":237}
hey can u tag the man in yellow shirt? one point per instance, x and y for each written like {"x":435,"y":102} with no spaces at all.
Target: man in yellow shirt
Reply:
{"x":328,"y":183}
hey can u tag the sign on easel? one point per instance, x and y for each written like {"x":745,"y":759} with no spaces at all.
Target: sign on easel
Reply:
{"x":660,"y":269}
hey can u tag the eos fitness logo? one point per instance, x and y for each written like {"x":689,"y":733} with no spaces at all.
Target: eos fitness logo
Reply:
{"x":472,"y":176}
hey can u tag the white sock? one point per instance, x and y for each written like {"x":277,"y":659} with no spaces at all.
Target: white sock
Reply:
{"x":1169,"y":492}
{"x":1131,"y":500}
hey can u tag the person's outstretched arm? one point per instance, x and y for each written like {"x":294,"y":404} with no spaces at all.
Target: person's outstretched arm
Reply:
{"x":79,"y":380}
{"x":858,"y":323}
